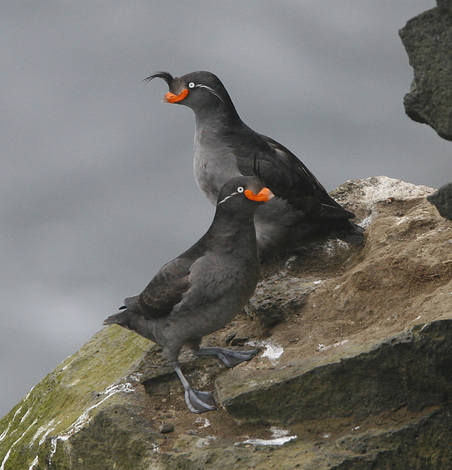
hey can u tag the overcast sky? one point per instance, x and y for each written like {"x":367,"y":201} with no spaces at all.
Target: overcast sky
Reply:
{"x":96,"y":185}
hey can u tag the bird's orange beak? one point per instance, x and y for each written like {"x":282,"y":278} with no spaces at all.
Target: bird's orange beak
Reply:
{"x":172,"y":98}
{"x":262,"y":196}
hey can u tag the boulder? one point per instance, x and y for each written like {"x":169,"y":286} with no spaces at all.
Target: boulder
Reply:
{"x":442,"y":200}
{"x":354,"y":373}
{"x":428,"y":41}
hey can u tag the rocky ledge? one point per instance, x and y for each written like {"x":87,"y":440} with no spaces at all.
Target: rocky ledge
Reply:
{"x":355,"y":369}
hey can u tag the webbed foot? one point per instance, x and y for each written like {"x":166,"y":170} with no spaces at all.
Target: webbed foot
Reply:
{"x":199,"y":402}
{"x":196,"y":400}
{"x":228,"y":357}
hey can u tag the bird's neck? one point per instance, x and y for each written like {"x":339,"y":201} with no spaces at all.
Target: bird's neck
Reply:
{"x":221,"y":116}
{"x":230,"y":232}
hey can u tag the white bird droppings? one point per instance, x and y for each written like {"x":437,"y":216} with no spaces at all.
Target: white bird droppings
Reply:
{"x":204,"y":441}
{"x":5,"y":459}
{"x":85,"y":417}
{"x":321,"y":347}
{"x":34,"y":463}
{"x":202,"y":422}
{"x":279,"y":438}
{"x":272,"y":351}
{"x":277,"y":432}
{"x":5,"y":432}
{"x":24,"y":417}
{"x":278,"y":441}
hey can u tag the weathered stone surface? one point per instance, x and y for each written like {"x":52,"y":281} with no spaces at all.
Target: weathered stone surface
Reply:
{"x":356,"y":374}
{"x":82,"y":411}
{"x":278,"y":296}
{"x":165,"y":428}
{"x":412,"y":369}
{"x":442,"y":200}
{"x":422,"y":442}
{"x":428,"y":42}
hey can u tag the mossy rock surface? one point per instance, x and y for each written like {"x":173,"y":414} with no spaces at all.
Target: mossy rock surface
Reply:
{"x":96,"y":377}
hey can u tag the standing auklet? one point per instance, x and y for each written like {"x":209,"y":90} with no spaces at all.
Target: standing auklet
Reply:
{"x":226,"y":147}
{"x":202,"y":289}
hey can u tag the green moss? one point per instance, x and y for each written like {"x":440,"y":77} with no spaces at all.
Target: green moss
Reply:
{"x":62,"y":396}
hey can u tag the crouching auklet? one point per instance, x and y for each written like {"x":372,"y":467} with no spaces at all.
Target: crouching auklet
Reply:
{"x":226,"y":147}
{"x":202,"y":289}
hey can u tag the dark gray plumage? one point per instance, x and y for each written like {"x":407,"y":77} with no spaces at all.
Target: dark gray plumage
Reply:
{"x":202,"y":289}
{"x":226,"y":147}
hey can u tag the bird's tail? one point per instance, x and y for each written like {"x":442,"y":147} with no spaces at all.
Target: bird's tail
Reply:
{"x":121,"y":318}
{"x":124,"y":317}
{"x":350,"y":233}
{"x":336,"y":211}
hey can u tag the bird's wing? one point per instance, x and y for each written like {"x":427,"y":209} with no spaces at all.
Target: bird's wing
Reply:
{"x":287,"y":177}
{"x":168,"y":286}
{"x":165,"y":290}
{"x":212,"y":280}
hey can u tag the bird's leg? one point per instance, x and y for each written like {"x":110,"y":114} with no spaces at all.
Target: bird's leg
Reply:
{"x":197,"y":401}
{"x":228,"y":357}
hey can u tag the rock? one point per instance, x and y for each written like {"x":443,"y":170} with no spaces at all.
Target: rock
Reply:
{"x":238,"y":341}
{"x":165,"y":428}
{"x":230,"y":337}
{"x":355,"y":374}
{"x":86,"y":411}
{"x":279,"y":296}
{"x":412,"y":369}
{"x":428,"y":41}
{"x":401,"y":278}
{"x":442,"y":200}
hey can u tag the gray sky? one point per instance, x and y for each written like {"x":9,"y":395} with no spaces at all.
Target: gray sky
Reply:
{"x":96,"y":185}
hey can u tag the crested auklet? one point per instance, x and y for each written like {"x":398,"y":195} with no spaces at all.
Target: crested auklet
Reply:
{"x":202,"y":289}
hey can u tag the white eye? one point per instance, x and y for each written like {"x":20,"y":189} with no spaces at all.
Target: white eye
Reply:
{"x":240,"y":189}
{"x":191,"y":85}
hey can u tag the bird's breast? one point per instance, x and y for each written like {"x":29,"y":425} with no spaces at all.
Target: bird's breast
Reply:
{"x":214,"y":164}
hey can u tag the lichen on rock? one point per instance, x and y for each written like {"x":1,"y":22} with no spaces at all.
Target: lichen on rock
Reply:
{"x":66,"y":401}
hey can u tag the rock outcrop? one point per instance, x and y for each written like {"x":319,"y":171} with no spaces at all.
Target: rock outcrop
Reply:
{"x":355,"y":369}
{"x":428,"y":42}
{"x":442,"y":200}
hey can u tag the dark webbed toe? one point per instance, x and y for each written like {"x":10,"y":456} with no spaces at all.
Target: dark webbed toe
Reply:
{"x":228,"y":357}
{"x":231,"y":358}
{"x":197,"y":401}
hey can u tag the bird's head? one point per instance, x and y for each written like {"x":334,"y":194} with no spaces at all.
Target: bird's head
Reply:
{"x":243,"y":194}
{"x":197,"y":90}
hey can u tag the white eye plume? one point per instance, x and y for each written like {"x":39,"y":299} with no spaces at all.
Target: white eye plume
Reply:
{"x":209,"y":89}
{"x":240,"y":189}
{"x":191,"y":85}
{"x":227,"y":197}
